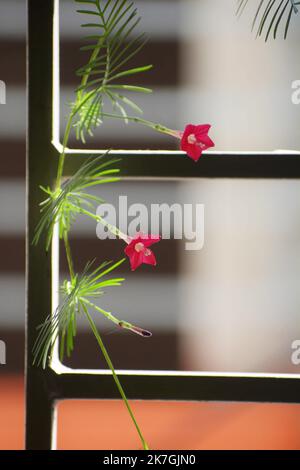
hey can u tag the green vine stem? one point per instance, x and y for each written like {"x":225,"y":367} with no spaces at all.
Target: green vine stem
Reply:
{"x":61,"y":160}
{"x":115,"y":377}
{"x":72,"y":274}
{"x":121,"y":323}
{"x":117,"y":232}
{"x":81,"y":99}
{"x":69,"y":255}
{"x":156,"y":127}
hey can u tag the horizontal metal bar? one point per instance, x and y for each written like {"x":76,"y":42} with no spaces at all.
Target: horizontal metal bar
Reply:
{"x":181,"y":387}
{"x":211,"y":165}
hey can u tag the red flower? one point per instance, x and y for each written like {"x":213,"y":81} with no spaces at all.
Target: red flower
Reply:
{"x":194,"y":140}
{"x":138,"y":250}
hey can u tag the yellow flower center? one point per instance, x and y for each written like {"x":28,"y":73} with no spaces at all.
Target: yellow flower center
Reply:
{"x":140,"y":247}
{"x":192,"y":139}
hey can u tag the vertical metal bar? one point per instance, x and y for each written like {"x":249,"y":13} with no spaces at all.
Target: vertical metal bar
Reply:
{"x":41,"y":164}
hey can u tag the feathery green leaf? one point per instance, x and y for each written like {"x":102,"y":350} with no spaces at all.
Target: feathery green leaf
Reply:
{"x":77,"y":295}
{"x":111,"y":50}
{"x":63,"y":205}
{"x":270,"y":14}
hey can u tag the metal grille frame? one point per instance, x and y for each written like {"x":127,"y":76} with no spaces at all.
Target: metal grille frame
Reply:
{"x":45,"y":387}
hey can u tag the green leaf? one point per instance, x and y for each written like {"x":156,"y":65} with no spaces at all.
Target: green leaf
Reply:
{"x":131,"y":72}
{"x":92,"y":25}
{"x":88,"y":12}
{"x":138,"y":89}
{"x":78,"y":294}
{"x":114,"y":46}
{"x":62,"y":206}
{"x":270,"y":14}
{"x":129,"y":103}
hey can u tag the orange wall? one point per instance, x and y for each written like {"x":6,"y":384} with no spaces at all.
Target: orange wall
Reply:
{"x":105,"y":425}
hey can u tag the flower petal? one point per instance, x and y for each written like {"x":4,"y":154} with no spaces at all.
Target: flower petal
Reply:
{"x":206,"y":140}
{"x":136,"y":259}
{"x":202,"y":129}
{"x":149,"y":259}
{"x":129,"y":250}
{"x":150,"y":240}
{"x":194,"y":152}
{"x":201,"y":140}
{"x":143,"y":254}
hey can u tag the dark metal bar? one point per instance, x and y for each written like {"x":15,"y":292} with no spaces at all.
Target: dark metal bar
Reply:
{"x":43,"y":388}
{"x":41,"y":163}
{"x":211,"y":165}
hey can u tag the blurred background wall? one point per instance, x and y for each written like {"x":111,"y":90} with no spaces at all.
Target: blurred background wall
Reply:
{"x":240,"y":294}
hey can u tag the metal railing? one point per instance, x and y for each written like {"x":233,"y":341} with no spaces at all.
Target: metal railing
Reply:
{"x":45,"y":387}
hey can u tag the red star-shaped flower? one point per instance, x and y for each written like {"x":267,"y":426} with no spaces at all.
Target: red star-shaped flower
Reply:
{"x":138,"y":250}
{"x":194,"y":140}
